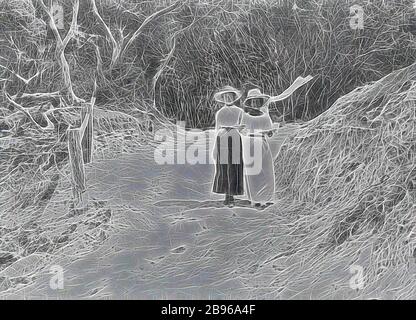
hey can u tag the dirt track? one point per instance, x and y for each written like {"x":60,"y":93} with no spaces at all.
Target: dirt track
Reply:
{"x":174,"y":239}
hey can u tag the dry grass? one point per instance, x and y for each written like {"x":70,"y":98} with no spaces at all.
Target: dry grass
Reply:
{"x":268,"y":44}
{"x":216,"y":43}
{"x":38,"y":219}
{"x":350,"y":172}
{"x":355,"y":165}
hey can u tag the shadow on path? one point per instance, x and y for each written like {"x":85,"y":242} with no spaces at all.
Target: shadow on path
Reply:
{"x":194,"y":204}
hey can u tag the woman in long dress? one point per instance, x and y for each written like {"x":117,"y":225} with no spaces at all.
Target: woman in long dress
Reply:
{"x":257,"y":151}
{"x":257,"y":155}
{"x":227,"y":154}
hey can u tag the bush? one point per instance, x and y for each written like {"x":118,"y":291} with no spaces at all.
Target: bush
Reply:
{"x":355,"y":164}
{"x":241,"y":43}
{"x":270,"y":44}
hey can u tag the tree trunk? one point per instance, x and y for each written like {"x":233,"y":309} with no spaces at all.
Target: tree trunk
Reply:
{"x":76,"y":163}
{"x":87,"y":139}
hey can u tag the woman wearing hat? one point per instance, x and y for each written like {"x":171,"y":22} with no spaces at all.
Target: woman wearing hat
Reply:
{"x":257,"y":155}
{"x":227,"y":153}
{"x":258,"y":165}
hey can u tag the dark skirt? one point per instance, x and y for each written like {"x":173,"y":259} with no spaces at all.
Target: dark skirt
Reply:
{"x":229,"y":178}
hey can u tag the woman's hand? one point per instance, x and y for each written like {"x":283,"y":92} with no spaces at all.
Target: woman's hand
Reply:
{"x":243,"y":130}
{"x":271,"y":132}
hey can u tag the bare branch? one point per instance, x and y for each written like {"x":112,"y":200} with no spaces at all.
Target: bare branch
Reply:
{"x":149,"y":19}
{"x":164,"y":64}
{"x":51,"y":22}
{"x":120,"y":47}
{"x":94,"y":94}
{"x":61,"y":45}
{"x":99,"y":59}
{"x":38,"y":95}
{"x":23,"y":110}
{"x":116,"y":46}
{"x":26,"y":81}
{"x":74,"y":25}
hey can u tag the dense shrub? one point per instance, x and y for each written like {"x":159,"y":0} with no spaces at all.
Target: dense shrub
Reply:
{"x":242,"y":43}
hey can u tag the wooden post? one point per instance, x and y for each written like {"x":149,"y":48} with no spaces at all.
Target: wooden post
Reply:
{"x":76,"y":163}
{"x":87,"y":138}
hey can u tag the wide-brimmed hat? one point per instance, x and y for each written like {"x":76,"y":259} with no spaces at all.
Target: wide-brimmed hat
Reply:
{"x":256,"y":94}
{"x":219,"y":96}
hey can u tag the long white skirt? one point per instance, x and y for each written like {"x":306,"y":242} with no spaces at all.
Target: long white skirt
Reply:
{"x":259,"y":178}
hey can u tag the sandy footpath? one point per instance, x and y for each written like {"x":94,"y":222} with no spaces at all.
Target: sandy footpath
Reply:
{"x":173,"y":238}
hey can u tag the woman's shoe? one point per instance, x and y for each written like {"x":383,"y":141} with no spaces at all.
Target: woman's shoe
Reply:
{"x":228,"y":199}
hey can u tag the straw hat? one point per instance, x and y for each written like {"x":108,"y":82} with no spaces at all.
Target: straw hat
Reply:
{"x":256,"y":94}
{"x":219,"y":96}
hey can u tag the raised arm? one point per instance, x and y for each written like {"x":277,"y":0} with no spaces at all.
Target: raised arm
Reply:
{"x":299,"y":82}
